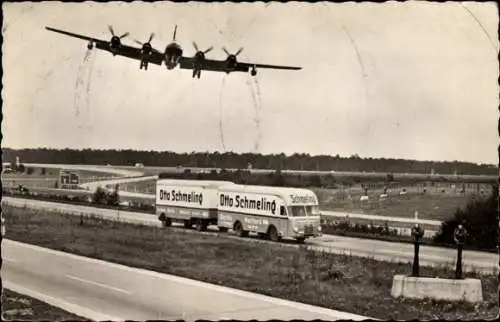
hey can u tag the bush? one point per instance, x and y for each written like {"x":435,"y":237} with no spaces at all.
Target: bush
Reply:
{"x":480,"y":218}
{"x":113,"y":198}
{"x":99,"y":197}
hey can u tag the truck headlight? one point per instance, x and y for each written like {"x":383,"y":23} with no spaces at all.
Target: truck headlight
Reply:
{"x":319,"y":228}
{"x":295,"y":229}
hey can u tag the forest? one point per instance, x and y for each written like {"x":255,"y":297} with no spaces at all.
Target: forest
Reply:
{"x":230,"y":160}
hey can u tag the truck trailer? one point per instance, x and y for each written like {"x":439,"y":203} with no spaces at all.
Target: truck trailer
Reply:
{"x":192,"y":202}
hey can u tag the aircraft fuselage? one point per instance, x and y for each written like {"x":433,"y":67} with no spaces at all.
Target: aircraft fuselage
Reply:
{"x":173,"y":53}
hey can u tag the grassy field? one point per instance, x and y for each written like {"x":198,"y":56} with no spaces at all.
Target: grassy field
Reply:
{"x":19,"y":307}
{"x":346,"y":283}
{"x":429,"y":206}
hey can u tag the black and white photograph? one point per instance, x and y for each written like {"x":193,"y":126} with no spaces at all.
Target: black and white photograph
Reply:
{"x":245,"y":161}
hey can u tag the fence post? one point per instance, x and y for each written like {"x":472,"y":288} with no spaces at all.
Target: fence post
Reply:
{"x":417,"y":233}
{"x":459,"y":235}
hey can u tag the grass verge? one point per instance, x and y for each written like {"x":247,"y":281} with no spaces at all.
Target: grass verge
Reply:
{"x":351,"y":284}
{"x":19,"y":307}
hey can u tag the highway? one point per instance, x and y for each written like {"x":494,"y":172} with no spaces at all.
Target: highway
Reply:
{"x":93,"y":185}
{"x":381,"y":250}
{"x":93,"y":168}
{"x":101,"y":290}
{"x":133,"y":171}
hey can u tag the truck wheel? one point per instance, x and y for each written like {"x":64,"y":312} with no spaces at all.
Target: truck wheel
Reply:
{"x":273,"y":234}
{"x":300,"y":240}
{"x":167,"y":222}
{"x":201,"y":225}
{"x":238,"y":228}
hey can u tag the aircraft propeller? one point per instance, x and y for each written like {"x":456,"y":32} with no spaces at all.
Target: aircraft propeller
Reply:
{"x":200,"y":53}
{"x":113,"y":33}
{"x":146,"y":47}
{"x":232,"y":56}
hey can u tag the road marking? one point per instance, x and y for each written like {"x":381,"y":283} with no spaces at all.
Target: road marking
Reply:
{"x":98,"y":284}
{"x":63,"y":304}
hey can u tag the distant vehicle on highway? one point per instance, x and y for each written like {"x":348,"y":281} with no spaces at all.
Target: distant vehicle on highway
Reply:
{"x":273,"y":212}
{"x":3,"y":224}
{"x":7,"y":170}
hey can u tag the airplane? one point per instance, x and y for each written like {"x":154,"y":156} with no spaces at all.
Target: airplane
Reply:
{"x":172,"y":57}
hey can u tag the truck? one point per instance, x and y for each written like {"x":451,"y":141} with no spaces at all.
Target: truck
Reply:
{"x":192,"y":202}
{"x":271,"y":212}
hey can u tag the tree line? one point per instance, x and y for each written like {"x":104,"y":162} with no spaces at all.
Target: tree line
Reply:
{"x":231,"y":160}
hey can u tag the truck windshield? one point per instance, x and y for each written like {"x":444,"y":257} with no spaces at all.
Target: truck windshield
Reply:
{"x":303,"y":211}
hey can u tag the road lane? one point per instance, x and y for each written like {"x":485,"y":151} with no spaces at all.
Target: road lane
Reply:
{"x":149,"y":295}
{"x":85,"y":167}
{"x":112,"y":182}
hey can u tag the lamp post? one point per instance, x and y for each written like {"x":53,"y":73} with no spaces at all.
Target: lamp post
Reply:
{"x":417,"y":233}
{"x":459,"y":235}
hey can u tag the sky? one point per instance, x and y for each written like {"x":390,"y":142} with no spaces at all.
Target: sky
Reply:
{"x":412,"y":80}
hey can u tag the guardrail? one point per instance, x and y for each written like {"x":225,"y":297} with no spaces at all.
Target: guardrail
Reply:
{"x":402,"y":225}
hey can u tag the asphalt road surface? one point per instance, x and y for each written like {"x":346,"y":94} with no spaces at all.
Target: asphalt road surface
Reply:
{"x":381,"y":250}
{"x":105,"y":291}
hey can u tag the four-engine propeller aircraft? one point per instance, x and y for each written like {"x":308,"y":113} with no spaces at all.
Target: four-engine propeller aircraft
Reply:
{"x":172,"y":57}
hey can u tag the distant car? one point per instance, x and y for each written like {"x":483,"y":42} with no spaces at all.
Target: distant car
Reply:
{"x":22,"y":189}
{"x":3,"y":226}
{"x":139,"y":165}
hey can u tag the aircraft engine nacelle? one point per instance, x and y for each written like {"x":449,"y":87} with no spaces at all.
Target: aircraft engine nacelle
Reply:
{"x":115,"y":43}
{"x":146,"y":50}
{"x":90,"y":45}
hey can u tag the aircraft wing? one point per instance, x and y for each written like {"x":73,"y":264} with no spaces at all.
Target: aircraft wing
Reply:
{"x":220,"y":65}
{"x":94,"y":40}
{"x":248,"y":66}
{"x":208,"y":64}
{"x":127,"y":51}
